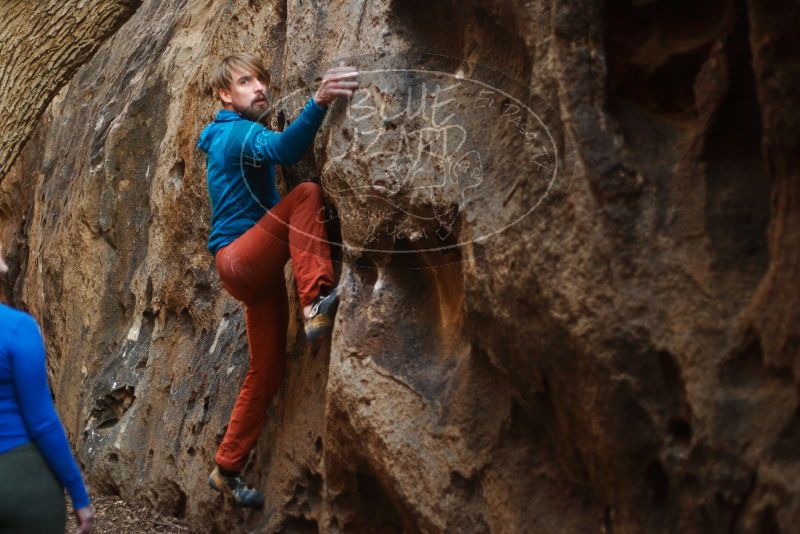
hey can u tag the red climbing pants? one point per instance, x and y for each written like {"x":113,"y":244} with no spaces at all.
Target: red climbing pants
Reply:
{"x":251,"y":270}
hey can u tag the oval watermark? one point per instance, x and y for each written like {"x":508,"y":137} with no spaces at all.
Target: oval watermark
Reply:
{"x":429,"y":157}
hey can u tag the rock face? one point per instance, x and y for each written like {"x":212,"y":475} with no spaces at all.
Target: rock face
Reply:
{"x":582,"y":316}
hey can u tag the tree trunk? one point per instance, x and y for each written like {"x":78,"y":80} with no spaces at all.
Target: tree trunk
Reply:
{"x":42,"y":44}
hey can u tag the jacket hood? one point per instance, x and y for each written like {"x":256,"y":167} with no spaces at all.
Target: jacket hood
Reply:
{"x":227,"y":115}
{"x":207,"y":135}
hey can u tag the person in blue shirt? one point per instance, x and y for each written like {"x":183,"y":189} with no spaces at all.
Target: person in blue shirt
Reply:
{"x":254,"y":233}
{"x":36,"y":461}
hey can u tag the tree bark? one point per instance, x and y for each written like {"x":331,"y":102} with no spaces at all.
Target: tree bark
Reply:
{"x":42,"y":45}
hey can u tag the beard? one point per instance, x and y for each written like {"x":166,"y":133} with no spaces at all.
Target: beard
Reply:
{"x":256,"y":111}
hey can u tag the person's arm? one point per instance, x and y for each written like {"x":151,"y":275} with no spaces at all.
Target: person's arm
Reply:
{"x":286,"y":147}
{"x":38,"y":412}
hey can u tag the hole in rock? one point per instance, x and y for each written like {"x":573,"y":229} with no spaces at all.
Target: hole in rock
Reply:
{"x":180,"y":504}
{"x":108,"y":423}
{"x":177,"y":172}
{"x":366,"y":271}
{"x":108,"y":409}
{"x":426,"y":30}
{"x":738,"y":186}
{"x":680,"y":430}
{"x":377,"y":512}
{"x":655,"y":50}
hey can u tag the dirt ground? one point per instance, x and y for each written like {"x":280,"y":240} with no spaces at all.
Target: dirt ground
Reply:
{"x":115,"y":516}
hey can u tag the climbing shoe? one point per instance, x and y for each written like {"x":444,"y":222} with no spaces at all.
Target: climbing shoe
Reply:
{"x":320,"y":318}
{"x":234,"y":485}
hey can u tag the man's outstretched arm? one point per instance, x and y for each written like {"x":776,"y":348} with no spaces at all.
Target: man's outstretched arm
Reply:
{"x":289,"y":146}
{"x":285,"y":147}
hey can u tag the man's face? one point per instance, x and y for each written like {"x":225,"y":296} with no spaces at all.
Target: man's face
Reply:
{"x":247,"y":94}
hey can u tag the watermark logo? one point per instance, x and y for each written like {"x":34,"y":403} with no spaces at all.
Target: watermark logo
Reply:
{"x":432,"y":157}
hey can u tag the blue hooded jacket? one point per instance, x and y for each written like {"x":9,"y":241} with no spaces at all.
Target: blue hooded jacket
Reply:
{"x":240,"y":167}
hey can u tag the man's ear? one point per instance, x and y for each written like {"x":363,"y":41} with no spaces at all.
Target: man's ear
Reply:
{"x":225,"y":96}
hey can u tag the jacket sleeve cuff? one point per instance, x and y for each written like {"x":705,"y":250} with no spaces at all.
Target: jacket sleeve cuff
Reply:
{"x":79,"y":495}
{"x":316,"y":108}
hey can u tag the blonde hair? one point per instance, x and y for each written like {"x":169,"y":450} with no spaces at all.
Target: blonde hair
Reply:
{"x":244,"y":62}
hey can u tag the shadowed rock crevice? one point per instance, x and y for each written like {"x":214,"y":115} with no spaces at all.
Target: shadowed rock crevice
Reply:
{"x":656,"y":49}
{"x":424,"y":319}
{"x":738,"y":186}
{"x":303,"y":509}
{"x":109,"y":409}
{"x":422,"y":24}
{"x":364,"y":506}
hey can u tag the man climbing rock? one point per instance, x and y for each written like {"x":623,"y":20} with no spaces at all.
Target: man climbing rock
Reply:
{"x":254,"y":233}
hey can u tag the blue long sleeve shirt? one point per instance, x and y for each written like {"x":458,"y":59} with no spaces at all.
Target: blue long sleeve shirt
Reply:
{"x":240,"y":167}
{"x":26,"y":408}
